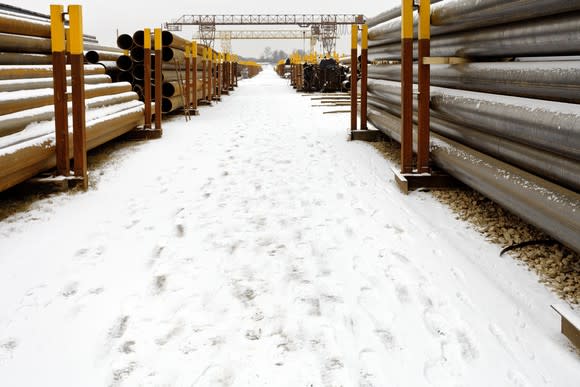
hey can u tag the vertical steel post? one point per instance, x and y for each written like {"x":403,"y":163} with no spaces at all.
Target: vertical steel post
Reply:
{"x":60,"y":99}
{"x":353,"y":76}
{"x":203,"y":73}
{"x":187,"y":90}
{"x":147,"y":77}
{"x":194,"y":66}
{"x":407,"y":86}
{"x":77,"y":60}
{"x":210,"y":73}
{"x":364,"y":76}
{"x":220,"y":75}
{"x":424,"y":86}
{"x":158,"y":79}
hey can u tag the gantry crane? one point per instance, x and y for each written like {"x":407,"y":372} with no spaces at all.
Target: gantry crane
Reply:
{"x":323,"y":26}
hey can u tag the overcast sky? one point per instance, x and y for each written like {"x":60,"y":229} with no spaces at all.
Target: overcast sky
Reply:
{"x":104,"y":17}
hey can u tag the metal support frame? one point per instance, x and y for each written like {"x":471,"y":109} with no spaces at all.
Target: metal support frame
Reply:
{"x":60,"y":97}
{"x":424,"y":87}
{"x":364,"y":76}
{"x":147,"y":78}
{"x":158,"y":78}
{"x":407,"y":86}
{"x":77,"y":60}
{"x":353,"y":77}
{"x":187,"y":90}
{"x":194,"y":82}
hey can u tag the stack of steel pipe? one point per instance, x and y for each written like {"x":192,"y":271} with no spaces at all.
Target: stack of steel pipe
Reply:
{"x":173,"y":57}
{"x":27,"y":113}
{"x":506,"y":121}
{"x":27,"y":101}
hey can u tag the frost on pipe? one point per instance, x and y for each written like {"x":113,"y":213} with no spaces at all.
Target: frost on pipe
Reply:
{"x":548,"y":165}
{"x":552,"y":126}
{"x":15,"y":122}
{"x":28,"y":99}
{"x":558,"y":35}
{"x":27,"y":159}
{"x":464,"y":15}
{"x":45,"y":83}
{"x":558,"y":81}
{"x":547,"y":206}
{"x":41,"y":71}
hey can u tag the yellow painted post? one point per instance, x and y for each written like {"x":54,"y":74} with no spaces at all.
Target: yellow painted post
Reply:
{"x":60,"y":98}
{"x":147,"y":77}
{"x":424,"y":86}
{"x":194,"y":83}
{"x":77,"y":60}
{"x":158,"y":78}
{"x":407,"y":86}
{"x":187,"y":90}
{"x":353,"y":76}
{"x":364,"y":76}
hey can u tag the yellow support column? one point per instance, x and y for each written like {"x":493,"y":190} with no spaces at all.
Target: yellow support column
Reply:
{"x":424,"y":86}
{"x":407,"y":86}
{"x":60,"y":98}
{"x":147,"y":77}
{"x":158,"y":78}
{"x":77,"y":60}
{"x":194,"y":83}
{"x":364,"y":76}
{"x":353,"y":77}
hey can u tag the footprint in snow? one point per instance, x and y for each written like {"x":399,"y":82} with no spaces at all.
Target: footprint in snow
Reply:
{"x":119,"y":327}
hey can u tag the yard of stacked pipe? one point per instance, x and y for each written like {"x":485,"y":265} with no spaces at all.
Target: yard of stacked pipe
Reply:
{"x":26,"y":109}
{"x":521,"y":149}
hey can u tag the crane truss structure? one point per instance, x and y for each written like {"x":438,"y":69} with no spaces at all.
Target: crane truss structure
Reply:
{"x":226,"y":36}
{"x":261,"y":34}
{"x":323,"y":26}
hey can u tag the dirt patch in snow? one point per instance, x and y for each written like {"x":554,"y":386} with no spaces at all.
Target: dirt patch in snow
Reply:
{"x":556,"y":266}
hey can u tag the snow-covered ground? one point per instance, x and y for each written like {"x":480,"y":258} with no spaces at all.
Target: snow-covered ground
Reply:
{"x":256,"y":246}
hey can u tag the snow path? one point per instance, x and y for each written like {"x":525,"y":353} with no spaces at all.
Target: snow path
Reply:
{"x":257,"y":246}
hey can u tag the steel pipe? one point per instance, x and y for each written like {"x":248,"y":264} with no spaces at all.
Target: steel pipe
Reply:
{"x":27,"y":160}
{"x":169,"y":39}
{"x":124,"y":63}
{"x":170,"y":89}
{"x":15,"y":122}
{"x":45,"y":83}
{"x":170,"y":54}
{"x":125,"y":42}
{"x":548,"y":206}
{"x":551,"y":36}
{"x":34,"y":99}
{"x":558,"y":81}
{"x":94,"y":56}
{"x":465,"y":15}
{"x":27,"y":71}
{"x":551,"y":126}
{"x":548,"y":165}
{"x":15,"y":59}
{"x":170,"y":104}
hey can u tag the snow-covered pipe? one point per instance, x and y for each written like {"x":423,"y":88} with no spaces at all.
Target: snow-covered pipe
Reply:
{"x":548,"y":206}
{"x":15,"y":122}
{"x":28,"y":159}
{"x":18,"y":101}
{"x":558,"y":35}
{"x":548,"y":165}
{"x":558,"y":80}
{"x":464,"y":15}
{"x":41,"y":71}
{"x":44,"y":83}
{"x":552,"y":126}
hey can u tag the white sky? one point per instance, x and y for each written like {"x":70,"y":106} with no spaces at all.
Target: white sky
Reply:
{"x":103,"y":18}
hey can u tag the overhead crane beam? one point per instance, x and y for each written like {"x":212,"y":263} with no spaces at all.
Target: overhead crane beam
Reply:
{"x":303,"y":20}
{"x":260,"y":34}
